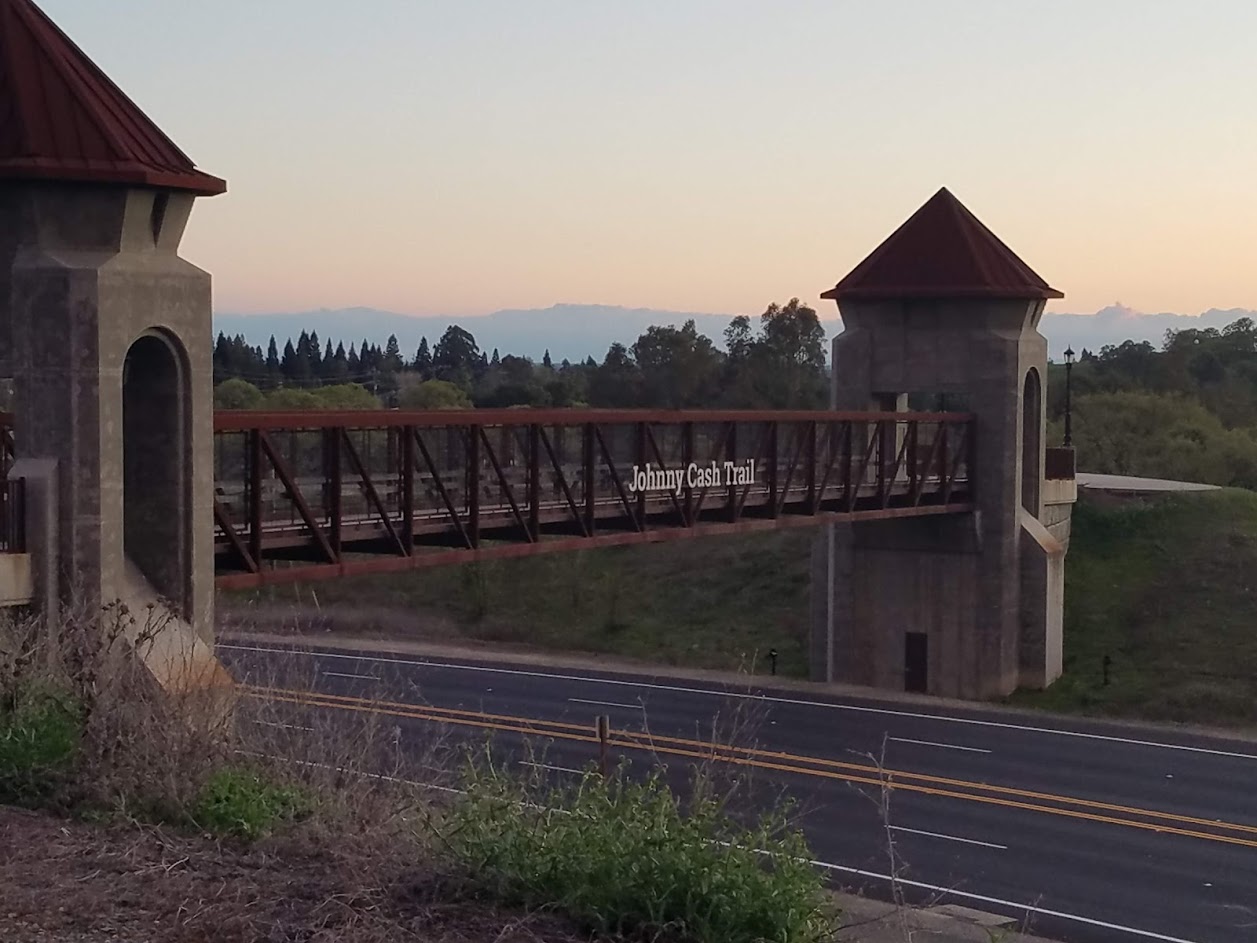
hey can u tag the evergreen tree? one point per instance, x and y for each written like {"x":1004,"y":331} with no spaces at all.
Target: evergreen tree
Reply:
{"x":222,"y":359}
{"x":546,"y":361}
{"x":423,"y":359}
{"x":316,"y":357}
{"x":339,"y":369}
{"x":288,"y":365}
{"x":392,"y":355}
{"x":273,"y":370}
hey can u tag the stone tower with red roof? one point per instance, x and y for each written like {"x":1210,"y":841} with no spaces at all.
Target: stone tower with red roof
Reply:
{"x":107,"y":333}
{"x":943,"y":315}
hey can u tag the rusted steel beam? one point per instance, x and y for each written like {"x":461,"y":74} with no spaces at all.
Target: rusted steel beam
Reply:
{"x":564,"y":486}
{"x":223,"y":520}
{"x":315,"y":572}
{"x":920,"y":476}
{"x":255,"y":494}
{"x":858,"y":478}
{"x":242,"y":420}
{"x":615,"y":477}
{"x":534,"y":481}
{"x":589,"y":484}
{"x":289,"y":482}
{"x":407,"y":472}
{"x":471,"y":462}
{"x":505,"y":485}
{"x":813,"y":434}
{"x":892,"y":476}
{"x":368,"y":486}
{"x":740,"y":506}
{"x":333,"y":484}
{"x":800,"y":442}
{"x":438,"y":481}
{"x":718,"y":453}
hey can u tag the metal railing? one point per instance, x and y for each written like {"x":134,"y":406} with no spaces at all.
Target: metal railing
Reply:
{"x":1058,"y":464}
{"x":13,"y":516}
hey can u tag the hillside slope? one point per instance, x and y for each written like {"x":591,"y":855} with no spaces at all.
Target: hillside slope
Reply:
{"x":1168,"y":590}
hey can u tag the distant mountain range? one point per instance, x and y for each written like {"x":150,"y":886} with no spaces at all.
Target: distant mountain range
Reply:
{"x":574,"y":332}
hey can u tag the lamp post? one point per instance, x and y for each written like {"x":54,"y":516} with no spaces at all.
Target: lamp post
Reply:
{"x":1069,"y":367}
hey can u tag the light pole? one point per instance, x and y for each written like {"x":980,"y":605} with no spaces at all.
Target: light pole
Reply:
{"x":1069,"y":367}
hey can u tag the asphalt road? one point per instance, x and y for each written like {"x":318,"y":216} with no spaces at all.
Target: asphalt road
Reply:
{"x":1094,"y":831}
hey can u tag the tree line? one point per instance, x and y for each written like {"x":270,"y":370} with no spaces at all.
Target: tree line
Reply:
{"x":778,"y":363}
{"x":1186,"y":411}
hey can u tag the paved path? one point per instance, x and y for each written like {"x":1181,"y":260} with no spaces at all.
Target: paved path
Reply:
{"x":1100,"y":831}
{"x":1132,"y":485}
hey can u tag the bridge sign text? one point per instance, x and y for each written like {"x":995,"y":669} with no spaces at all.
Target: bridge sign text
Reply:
{"x":714,"y":475}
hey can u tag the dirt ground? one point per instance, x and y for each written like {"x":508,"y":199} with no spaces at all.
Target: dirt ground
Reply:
{"x":74,"y":882}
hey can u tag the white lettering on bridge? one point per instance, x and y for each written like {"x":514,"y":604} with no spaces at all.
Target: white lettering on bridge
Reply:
{"x":714,"y":475}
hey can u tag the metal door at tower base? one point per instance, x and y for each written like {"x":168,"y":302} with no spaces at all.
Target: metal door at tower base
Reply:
{"x":916,"y":660}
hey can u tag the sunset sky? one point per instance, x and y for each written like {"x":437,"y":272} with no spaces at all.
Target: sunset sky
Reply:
{"x":469,"y":155}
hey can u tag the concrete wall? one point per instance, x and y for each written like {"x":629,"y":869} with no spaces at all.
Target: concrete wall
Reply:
{"x":93,"y":270}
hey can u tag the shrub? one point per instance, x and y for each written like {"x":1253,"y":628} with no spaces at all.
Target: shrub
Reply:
{"x":40,"y":731}
{"x":242,"y":802}
{"x":625,"y":858}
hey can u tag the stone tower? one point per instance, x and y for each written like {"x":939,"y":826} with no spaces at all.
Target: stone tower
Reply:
{"x":943,"y":315}
{"x":107,"y":333}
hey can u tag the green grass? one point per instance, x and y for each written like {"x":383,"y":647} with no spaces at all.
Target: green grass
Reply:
{"x":40,"y":731}
{"x":1168,"y":590}
{"x":625,"y":859}
{"x":244,"y":803}
{"x":719,"y":602}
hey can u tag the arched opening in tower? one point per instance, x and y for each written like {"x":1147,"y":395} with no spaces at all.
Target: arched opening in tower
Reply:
{"x":1031,"y":442}
{"x":155,"y":473}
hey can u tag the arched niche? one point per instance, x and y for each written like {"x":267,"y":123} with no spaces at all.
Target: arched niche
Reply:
{"x":1031,"y":441}
{"x":156,"y":476}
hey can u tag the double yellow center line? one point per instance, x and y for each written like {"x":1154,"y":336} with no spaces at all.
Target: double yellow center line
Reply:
{"x":867,"y":774}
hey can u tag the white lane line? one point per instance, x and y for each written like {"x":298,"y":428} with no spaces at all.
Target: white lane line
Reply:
{"x":967,"y":841}
{"x":945,"y":746}
{"x":767,"y":698}
{"x":1021,"y":908}
{"x":578,"y":700}
{"x":557,"y":769}
{"x":338,"y":674}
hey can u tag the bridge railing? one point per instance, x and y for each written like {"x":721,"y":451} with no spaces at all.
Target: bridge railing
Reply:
{"x":1058,"y":464}
{"x":332,"y":487}
{"x":13,"y":515}
{"x":324,"y":486}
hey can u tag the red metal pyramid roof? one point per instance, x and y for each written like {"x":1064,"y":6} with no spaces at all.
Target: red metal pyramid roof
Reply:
{"x":942,"y":251}
{"x":61,"y":118}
